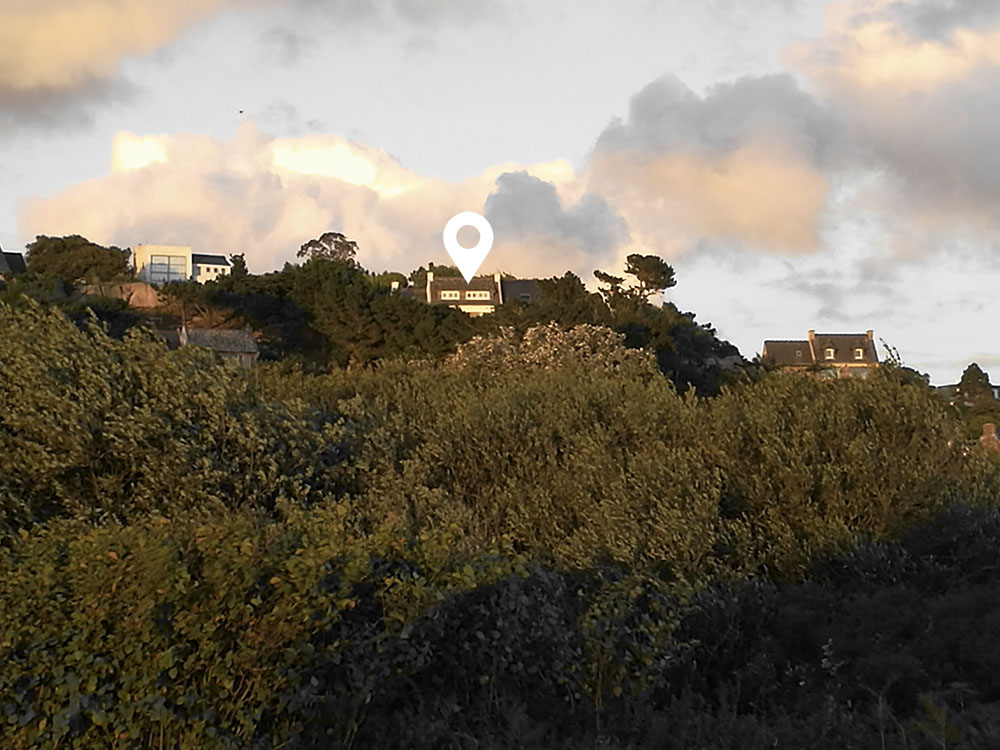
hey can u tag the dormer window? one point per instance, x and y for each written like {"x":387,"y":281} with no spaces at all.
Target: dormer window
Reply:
{"x":484,"y":295}
{"x":829,"y":352}
{"x":798,"y":352}
{"x":451,"y":294}
{"x":859,"y":353}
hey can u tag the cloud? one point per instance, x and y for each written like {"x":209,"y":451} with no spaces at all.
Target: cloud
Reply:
{"x":921,"y":110}
{"x":59,"y":59}
{"x":61,"y":107}
{"x":266,"y":196}
{"x":53,"y":45}
{"x":526,"y":210}
{"x":744,"y":162}
{"x":938,"y":19}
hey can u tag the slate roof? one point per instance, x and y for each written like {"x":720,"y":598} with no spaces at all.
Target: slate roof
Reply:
{"x":208,"y":260}
{"x":230,"y":341}
{"x":843,"y":345}
{"x":12,"y":263}
{"x":787,"y":353}
{"x":791,"y":353}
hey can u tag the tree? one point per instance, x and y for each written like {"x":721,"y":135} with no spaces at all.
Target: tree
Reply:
{"x":652,"y":275}
{"x":418,"y":278}
{"x":75,"y":257}
{"x":614,"y":284}
{"x":238,"y":268}
{"x":330,"y":246}
{"x":975,"y":384}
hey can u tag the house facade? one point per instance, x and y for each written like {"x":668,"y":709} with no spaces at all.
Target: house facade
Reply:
{"x":480,"y":296}
{"x":160,"y":264}
{"x":829,"y":355}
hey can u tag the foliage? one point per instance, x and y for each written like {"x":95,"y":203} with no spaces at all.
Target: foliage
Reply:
{"x":74,"y":257}
{"x":98,"y":427}
{"x":330,"y":246}
{"x":396,"y":556}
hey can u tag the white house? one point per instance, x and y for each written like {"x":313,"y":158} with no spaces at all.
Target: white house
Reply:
{"x":159,"y":264}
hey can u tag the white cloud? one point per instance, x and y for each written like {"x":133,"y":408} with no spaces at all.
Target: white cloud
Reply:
{"x":266,"y":196}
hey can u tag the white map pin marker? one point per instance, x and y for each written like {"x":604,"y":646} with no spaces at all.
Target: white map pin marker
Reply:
{"x":468,"y":259}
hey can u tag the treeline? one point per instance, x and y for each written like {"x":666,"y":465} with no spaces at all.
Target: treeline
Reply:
{"x":532,"y":541}
{"x":329,"y":312}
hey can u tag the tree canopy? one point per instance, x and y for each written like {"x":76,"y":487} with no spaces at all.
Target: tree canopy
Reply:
{"x":75,"y":257}
{"x":330,"y":246}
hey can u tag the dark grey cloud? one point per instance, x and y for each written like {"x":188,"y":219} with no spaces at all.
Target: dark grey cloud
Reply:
{"x":936,"y":19}
{"x":52,"y":108}
{"x":667,"y":116}
{"x":523,"y":205}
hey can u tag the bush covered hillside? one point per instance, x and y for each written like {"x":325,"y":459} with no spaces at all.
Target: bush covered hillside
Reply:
{"x":528,"y":539}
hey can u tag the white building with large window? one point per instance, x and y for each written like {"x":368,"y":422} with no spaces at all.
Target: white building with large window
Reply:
{"x":159,"y":264}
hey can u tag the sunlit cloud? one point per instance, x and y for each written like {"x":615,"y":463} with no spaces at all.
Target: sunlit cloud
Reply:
{"x":266,"y":196}
{"x":65,"y":44}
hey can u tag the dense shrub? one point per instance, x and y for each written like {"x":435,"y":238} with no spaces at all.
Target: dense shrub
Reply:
{"x":99,"y":427}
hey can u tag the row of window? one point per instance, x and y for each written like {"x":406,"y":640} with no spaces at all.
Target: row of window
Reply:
{"x":472,"y":294}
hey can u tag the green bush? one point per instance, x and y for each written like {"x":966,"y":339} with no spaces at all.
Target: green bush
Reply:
{"x":105,"y":428}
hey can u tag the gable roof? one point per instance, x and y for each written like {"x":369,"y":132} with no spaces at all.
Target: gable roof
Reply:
{"x":209,"y":260}
{"x":787,"y":353}
{"x":227,"y":340}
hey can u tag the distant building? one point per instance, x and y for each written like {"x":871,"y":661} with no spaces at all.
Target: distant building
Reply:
{"x":233,"y":345}
{"x":11,"y":264}
{"x":159,"y":264}
{"x":480,"y":296}
{"x":830,"y":355}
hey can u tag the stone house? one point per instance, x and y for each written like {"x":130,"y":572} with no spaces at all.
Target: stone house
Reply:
{"x":829,"y":355}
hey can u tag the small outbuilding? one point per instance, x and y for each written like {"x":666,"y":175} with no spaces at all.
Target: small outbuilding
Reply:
{"x":233,"y":345}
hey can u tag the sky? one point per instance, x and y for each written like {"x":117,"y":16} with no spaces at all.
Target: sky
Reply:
{"x":802,"y":164}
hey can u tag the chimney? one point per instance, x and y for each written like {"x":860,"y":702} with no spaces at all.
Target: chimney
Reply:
{"x":496,"y":278}
{"x":430,"y":280}
{"x":869,"y":334}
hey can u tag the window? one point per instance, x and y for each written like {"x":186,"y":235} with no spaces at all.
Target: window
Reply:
{"x":798,"y":352}
{"x":164,"y":268}
{"x":449,"y":294}
{"x":829,"y":352}
{"x":525,"y":298}
{"x":859,"y":353}
{"x":477,"y":295}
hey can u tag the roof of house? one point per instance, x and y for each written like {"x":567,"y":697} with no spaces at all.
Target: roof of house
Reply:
{"x":843,"y":345}
{"x":209,"y":260}
{"x":787,"y":353}
{"x":230,"y":341}
{"x":12,"y":263}
{"x":514,"y":288}
{"x":791,"y":353}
